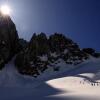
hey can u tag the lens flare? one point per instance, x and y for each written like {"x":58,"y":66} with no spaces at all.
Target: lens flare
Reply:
{"x":5,"y":10}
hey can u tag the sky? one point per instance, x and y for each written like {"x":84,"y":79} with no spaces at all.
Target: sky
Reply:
{"x":77,"y":19}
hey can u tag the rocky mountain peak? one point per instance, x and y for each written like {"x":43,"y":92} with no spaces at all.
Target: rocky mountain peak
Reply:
{"x":8,"y":38}
{"x":48,"y":52}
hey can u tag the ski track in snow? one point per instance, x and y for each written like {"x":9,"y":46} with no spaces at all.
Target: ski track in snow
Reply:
{"x":80,"y":82}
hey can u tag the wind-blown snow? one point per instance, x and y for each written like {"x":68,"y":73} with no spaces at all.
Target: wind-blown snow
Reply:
{"x":79,"y":82}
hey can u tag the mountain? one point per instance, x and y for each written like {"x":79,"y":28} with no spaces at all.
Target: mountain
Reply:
{"x":46,"y":68}
{"x":43,"y":53}
{"x":8,"y":39}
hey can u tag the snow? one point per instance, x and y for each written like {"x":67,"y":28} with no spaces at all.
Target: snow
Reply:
{"x":54,"y":54}
{"x":75,"y":88}
{"x":79,"y":82}
{"x":66,"y":51}
{"x":43,"y":58}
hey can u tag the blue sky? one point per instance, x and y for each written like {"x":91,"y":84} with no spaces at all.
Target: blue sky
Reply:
{"x":77,"y":19}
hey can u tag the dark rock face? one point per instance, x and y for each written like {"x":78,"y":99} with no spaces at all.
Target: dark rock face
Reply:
{"x":42,"y":53}
{"x":92,"y":52}
{"x":22,"y":44}
{"x":8,"y":39}
{"x":39,"y":45}
{"x":89,"y":51}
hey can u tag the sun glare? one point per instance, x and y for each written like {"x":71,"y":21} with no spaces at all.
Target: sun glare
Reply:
{"x":5,"y":10}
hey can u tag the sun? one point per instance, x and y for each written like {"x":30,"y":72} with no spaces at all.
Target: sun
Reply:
{"x":5,"y":10}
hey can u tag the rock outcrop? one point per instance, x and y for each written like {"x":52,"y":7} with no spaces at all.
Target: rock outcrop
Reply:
{"x":42,"y":53}
{"x":8,"y":39}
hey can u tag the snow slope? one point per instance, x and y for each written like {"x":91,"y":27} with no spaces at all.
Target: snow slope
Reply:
{"x":74,"y":83}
